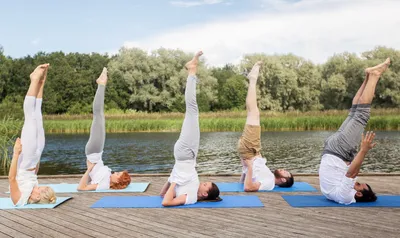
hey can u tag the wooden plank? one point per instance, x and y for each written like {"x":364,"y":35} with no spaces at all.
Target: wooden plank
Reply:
{"x":113,"y":228}
{"x":18,"y":226}
{"x":34,"y":224}
{"x":72,"y":224}
{"x":6,"y":231}
{"x":135,"y":218}
{"x":48,"y":221}
{"x":276,"y":219}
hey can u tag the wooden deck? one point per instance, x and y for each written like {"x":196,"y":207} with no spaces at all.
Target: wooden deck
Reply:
{"x":277,"y":219}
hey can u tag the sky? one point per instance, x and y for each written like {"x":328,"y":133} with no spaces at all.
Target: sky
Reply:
{"x":224,"y":29}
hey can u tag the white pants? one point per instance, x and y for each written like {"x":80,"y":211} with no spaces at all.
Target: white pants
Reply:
{"x":32,"y":135}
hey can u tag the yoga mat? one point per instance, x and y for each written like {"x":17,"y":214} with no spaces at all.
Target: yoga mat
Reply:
{"x":72,"y":188}
{"x":6,"y":203}
{"x":322,"y":201}
{"x":239,"y":187}
{"x":155,"y":202}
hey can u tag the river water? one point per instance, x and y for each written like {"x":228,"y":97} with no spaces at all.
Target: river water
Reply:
{"x":153,"y":152}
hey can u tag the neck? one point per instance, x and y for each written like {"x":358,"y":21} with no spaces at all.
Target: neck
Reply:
{"x":277,"y":181}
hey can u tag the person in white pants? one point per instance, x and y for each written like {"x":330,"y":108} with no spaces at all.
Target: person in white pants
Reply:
{"x":24,"y":167}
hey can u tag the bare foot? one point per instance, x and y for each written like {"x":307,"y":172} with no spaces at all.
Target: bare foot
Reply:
{"x":102,"y":80}
{"x":39,"y":73}
{"x":253,"y":75}
{"x":379,"y":69}
{"x":193,"y":63}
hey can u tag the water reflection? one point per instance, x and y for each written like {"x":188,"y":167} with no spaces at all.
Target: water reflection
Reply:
{"x":153,"y":152}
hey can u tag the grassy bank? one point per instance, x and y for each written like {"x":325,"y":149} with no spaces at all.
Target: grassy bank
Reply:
{"x":216,"y":121}
{"x":8,"y":133}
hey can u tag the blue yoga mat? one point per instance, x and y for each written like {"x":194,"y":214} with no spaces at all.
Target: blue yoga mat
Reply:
{"x":71,"y":188}
{"x":239,"y":187}
{"x":6,"y":203}
{"x":155,"y":202}
{"x":322,"y":201}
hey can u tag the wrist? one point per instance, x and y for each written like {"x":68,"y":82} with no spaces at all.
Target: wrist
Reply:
{"x":364,"y":150}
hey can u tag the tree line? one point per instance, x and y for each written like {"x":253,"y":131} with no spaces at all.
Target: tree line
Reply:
{"x":155,"y":82}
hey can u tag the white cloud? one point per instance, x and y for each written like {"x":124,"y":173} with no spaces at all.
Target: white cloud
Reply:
{"x":314,"y":29}
{"x":35,"y":41}
{"x":195,"y":3}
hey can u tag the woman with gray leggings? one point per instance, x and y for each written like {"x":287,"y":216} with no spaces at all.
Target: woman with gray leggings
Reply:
{"x":183,"y":186}
{"x":98,"y":176}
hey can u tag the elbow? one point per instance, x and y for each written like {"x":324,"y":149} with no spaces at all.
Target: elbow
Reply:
{"x":81,"y":188}
{"x":249,"y":189}
{"x":351,"y":175}
{"x":12,"y":177}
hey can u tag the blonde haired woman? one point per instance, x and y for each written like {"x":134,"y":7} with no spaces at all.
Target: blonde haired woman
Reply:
{"x":24,"y":167}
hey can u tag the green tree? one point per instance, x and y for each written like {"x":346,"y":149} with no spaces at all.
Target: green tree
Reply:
{"x":156,"y":81}
{"x":286,"y":82}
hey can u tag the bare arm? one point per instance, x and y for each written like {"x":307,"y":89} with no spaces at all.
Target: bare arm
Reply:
{"x":169,"y":199}
{"x":37,"y":168}
{"x":165,"y":189}
{"x":249,"y":186}
{"x":242,"y":178}
{"x":15,"y":193}
{"x":366,"y":145}
{"x":83,"y":184}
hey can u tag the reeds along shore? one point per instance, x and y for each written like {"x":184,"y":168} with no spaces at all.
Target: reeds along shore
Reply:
{"x":381,"y":119}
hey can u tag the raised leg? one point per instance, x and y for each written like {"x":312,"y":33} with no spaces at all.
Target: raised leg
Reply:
{"x":98,"y":128}
{"x":187,"y":146}
{"x":29,"y":135}
{"x":253,"y":113}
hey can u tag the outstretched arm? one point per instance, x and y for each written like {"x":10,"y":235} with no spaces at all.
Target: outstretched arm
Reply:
{"x":169,"y":199}
{"x":12,"y":175}
{"x":249,"y":186}
{"x":366,"y":145}
{"x":83,"y":184}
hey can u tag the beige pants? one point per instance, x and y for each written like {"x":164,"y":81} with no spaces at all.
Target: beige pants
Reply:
{"x":249,"y":144}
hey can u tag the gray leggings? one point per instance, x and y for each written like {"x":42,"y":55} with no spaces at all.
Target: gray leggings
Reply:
{"x":98,"y":129}
{"x":345,"y":141}
{"x":187,"y":146}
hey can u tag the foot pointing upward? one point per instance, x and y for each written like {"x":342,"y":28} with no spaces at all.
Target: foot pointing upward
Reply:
{"x":102,"y":80}
{"x":379,"y":69}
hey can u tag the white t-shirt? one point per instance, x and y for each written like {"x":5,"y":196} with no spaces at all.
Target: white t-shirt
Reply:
{"x":262,"y":174}
{"x":100,"y":175}
{"x":26,"y":180}
{"x":185,"y":176}
{"x":333,"y":181}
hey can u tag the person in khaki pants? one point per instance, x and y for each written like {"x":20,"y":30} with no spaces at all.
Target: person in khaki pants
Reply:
{"x":256,"y":175}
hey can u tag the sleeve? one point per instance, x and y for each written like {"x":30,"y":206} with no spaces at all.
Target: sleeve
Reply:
{"x":23,"y":200}
{"x":267,"y":184}
{"x":191,"y":198}
{"x":103,"y":185}
{"x":345,"y":192}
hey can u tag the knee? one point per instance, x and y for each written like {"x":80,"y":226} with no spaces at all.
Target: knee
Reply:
{"x":362,"y":117}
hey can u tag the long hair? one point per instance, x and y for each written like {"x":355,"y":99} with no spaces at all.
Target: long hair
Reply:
{"x":47,"y":196}
{"x":123,"y":181}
